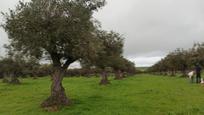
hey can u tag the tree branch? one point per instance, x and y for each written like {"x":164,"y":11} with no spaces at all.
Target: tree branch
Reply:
{"x":68,"y":62}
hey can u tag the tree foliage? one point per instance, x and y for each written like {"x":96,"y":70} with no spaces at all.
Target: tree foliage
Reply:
{"x":61,"y":28}
{"x":181,"y":60}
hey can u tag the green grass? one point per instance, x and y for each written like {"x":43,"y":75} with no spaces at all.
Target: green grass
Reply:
{"x":138,"y":95}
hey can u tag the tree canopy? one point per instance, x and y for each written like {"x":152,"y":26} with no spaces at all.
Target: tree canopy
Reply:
{"x":64,"y":29}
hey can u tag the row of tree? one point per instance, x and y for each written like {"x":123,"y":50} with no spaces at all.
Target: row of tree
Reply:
{"x":13,"y":67}
{"x":64,"y":31}
{"x":180,"y":60}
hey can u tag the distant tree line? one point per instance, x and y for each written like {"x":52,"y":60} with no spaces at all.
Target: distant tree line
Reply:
{"x":180,"y":61}
{"x":18,"y":67}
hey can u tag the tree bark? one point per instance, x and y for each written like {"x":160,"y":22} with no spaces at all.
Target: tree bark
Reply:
{"x":118,"y":75}
{"x":184,"y":74}
{"x":14,"y":79}
{"x":104,"y":80}
{"x":58,"y":96}
{"x":172,"y":73}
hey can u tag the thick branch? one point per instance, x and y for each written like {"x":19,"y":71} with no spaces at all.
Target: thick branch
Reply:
{"x":55,"y":59}
{"x":68,"y":62}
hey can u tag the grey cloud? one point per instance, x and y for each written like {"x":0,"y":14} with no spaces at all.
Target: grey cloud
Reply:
{"x":155,"y":25}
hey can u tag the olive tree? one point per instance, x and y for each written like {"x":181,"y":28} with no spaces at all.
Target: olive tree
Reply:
{"x":112,"y":50}
{"x":61,"y":30}
{"x":10,"y":69}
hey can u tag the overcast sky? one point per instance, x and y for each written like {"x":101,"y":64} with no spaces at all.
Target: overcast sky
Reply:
{"x":152,"y":28}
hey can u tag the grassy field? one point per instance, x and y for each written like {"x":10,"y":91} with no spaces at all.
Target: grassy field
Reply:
{"x":138,"y":95}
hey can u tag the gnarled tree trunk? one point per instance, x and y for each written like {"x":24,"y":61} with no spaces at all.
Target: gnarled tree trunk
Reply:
{"x":58,"y":96}
{"x":104,"y":78}
{"x":118,"y":75}
{"x":173,"y":73}
{"x":184,"y":74}
{"x":184,"y":71}
{"x":15,"y":81}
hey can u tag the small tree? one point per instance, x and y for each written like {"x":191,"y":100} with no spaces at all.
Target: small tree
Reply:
{"x":112,"y":49}
{"x":11,"y":69}
{"x":118,"y":65}
{"x":122,"y":67}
